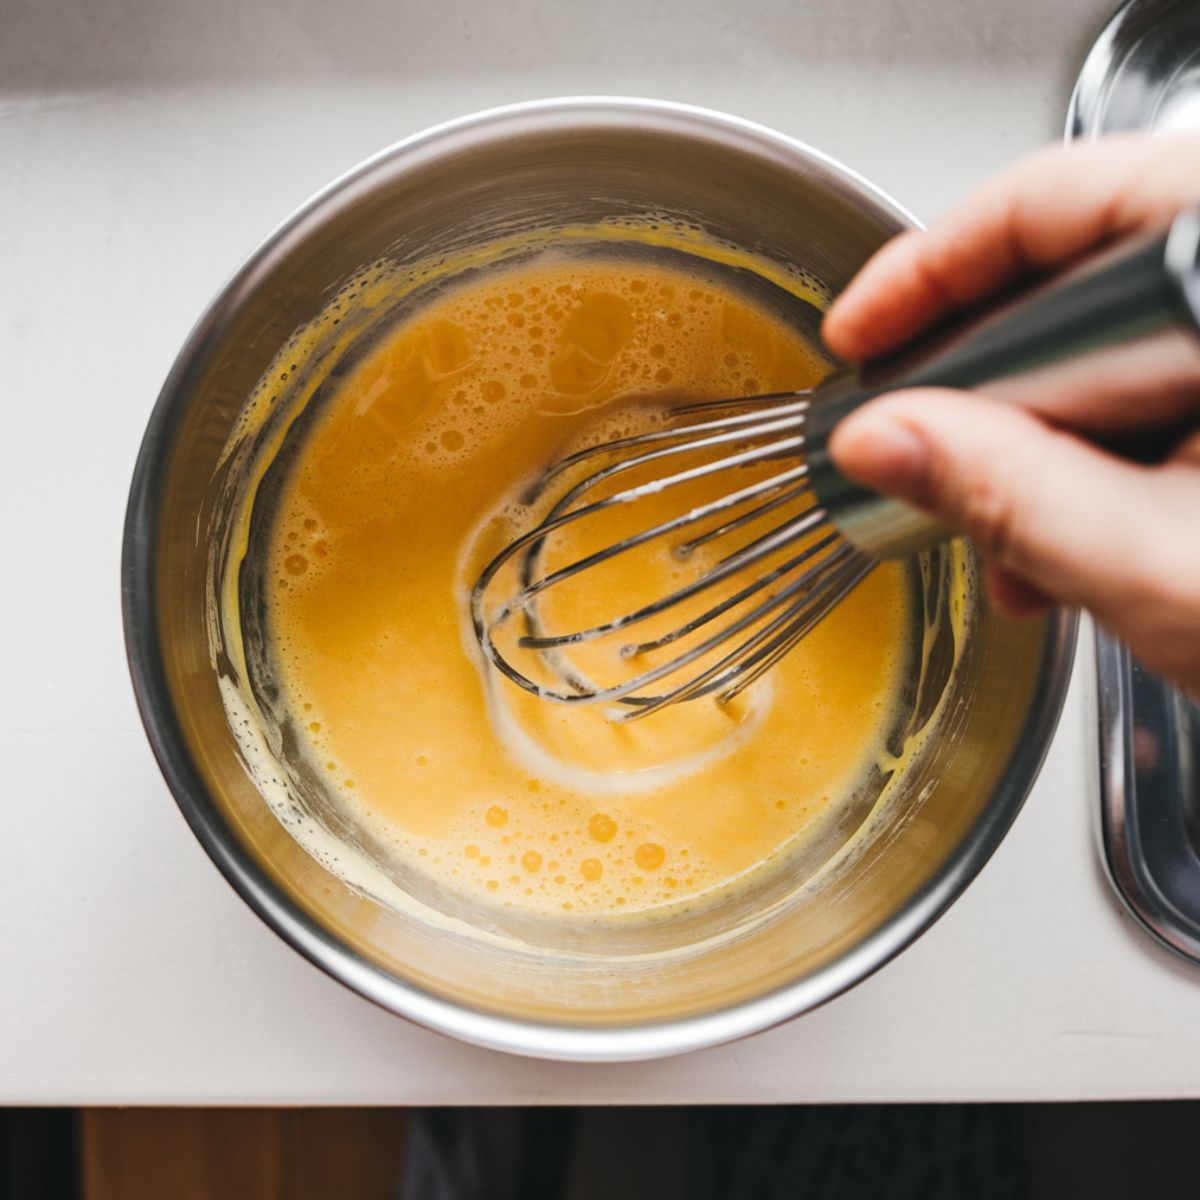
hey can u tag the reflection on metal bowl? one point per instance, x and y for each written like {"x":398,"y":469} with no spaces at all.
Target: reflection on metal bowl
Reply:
{"x":668,"y":988}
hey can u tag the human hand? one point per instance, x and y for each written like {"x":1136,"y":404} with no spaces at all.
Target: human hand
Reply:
{"x":1057,"y":519}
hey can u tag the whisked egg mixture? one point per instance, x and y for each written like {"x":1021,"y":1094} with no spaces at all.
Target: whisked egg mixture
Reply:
{"x":404,"y":486}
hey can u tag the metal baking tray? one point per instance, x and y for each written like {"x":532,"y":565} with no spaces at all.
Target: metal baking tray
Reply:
{"x":1150,"y":796}
{"x":1143,"y":74}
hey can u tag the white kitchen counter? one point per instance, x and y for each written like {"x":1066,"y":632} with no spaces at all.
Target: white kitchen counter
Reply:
{"x":144,"y":149}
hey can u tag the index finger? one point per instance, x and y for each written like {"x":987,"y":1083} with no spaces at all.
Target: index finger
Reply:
{"x":1045,"y":211}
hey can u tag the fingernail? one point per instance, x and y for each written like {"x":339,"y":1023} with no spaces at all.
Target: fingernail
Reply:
{"x":876,"y":449}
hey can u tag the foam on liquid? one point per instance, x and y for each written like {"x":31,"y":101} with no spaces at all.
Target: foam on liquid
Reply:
{"x":403,"y":490}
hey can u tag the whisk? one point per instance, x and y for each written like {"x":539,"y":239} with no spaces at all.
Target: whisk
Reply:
{"x":732,"y":519}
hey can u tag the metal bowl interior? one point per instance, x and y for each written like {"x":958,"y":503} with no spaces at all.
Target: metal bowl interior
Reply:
{"x":582,"y":160}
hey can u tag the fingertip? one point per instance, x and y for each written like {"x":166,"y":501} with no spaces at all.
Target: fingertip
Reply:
{"x":875,"y":447}
{"x":859,"y":322}
{"x":838,"y":332}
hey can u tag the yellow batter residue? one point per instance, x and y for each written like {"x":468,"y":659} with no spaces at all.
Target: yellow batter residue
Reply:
{"x":387,"y":513}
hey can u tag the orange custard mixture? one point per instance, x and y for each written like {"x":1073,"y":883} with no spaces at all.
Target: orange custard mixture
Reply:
{"x":395,"y":499}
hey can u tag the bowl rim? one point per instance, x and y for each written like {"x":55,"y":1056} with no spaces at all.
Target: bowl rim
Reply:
{"x":533,"y":1038}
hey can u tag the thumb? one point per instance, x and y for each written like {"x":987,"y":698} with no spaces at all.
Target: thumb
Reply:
{"x":1079,"y":525}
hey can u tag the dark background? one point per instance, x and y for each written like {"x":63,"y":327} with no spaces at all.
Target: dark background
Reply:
{"x":960,"y":1152}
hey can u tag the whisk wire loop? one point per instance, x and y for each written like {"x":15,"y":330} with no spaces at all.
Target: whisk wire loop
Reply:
{"x":773,"y":591}
{"x":722,"y":675}
{"x":751,"y":553}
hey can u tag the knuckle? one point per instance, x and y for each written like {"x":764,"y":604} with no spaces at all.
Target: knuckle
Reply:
{"x":1158,"y":609}
{"x":1169,"y":591}
{"x":991,"y":511}
{"x":1163,"y":635}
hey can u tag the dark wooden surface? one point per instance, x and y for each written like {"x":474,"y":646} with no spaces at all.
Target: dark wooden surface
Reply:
{"x":259,"y":1154}
{"x":1098,"y":1151}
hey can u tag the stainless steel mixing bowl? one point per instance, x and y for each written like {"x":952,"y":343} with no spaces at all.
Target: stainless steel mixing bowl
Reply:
{"x":659,"y":989}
